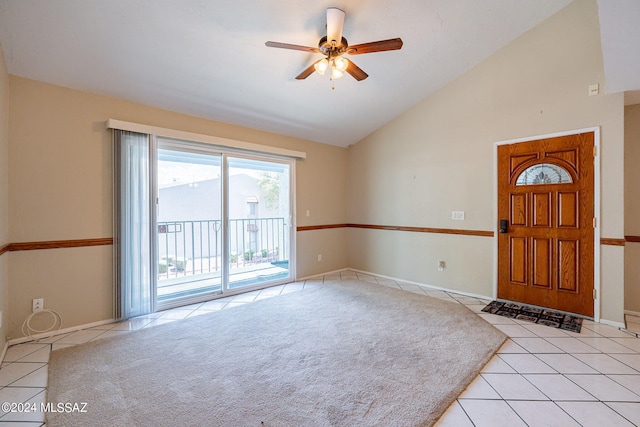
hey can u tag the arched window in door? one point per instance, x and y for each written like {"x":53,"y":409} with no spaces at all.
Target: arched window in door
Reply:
{"x":544,"y":173}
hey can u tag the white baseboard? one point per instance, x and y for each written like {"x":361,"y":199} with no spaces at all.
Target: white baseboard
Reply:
{"x":21,"y":340}
{"x":457,"y":292}
{"x":423,"y":285}
{"x":322,"y":274}
{"x":4,"y":352}
{"x":632,"y":322}
{"x":618,"y":325}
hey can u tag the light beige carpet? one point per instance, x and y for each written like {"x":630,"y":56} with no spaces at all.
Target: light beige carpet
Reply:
{"x":340,"y":354}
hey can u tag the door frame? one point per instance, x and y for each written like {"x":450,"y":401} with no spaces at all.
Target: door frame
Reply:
{"x":596,"y":207}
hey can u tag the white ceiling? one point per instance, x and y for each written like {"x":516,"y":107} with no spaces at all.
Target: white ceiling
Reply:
{"x":620,"y":37}
{"x":207,"y":57}
{"x":619,"y":33}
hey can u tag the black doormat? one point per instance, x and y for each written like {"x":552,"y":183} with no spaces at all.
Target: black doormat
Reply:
{"x":541,"y":316}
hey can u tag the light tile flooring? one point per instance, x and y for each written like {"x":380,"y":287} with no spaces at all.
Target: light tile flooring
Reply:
{"x":540,"y":377}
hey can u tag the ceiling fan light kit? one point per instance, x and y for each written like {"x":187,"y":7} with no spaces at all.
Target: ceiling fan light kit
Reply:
{"x":340,"y":63}
{"x":321,"y":66}
{"x":333,"y":46}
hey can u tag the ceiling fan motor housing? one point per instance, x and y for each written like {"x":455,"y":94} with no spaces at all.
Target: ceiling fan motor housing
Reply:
{"x":331,"y":48}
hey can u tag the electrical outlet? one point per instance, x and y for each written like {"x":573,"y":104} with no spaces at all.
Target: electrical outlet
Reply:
{"x":457,"y":215}
{"x":0,"y":318}
{"x":441,"y":265}
{"x":320,"y":258}
{"x":38,"y":304}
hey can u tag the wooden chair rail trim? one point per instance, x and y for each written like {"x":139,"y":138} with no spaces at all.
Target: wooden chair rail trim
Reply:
{"x":603,"y":241}
{"x":612,"y":242}
{"x":320,"y":227}
{"x":78,"y":243}
{"x":57,"y":244}
{"x":402,"y":228}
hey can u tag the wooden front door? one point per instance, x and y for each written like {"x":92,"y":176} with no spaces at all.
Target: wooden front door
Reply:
{"x":546,"y":245}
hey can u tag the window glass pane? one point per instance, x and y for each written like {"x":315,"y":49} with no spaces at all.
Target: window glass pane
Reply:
{"x":544,"y":173}
{"x":259,"y":237}
{"x":189,"y":221}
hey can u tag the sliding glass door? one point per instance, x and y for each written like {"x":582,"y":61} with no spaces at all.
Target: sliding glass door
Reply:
{"x":259,"y":221}
{"x":189,"y":223}
{"x":222,"y":221}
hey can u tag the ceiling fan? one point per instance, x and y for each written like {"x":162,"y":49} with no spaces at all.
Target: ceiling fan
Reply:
{"x":333,"y":46}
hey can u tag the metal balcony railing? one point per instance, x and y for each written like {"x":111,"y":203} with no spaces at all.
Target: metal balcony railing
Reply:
{"x":188,"y":248}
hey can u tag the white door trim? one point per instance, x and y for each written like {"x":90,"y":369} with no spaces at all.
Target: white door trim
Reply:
{"x":596,"y":208}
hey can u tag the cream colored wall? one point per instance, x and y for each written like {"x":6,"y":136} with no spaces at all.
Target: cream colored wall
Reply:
{"x":439,"y":157}
{"x":4,"y":196}
{"x":331,"y":244}
{"x":632,"y":206}
{"x":61,"y":188}
{"x":435,"y":158}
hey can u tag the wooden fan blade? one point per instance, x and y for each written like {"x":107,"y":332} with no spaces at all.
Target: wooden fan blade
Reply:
{"x":292,"y":47}
{"x":356,"y":72}
{"x":379,"y":46}
{"x":335,"y":24}
{"x":307,"y":71}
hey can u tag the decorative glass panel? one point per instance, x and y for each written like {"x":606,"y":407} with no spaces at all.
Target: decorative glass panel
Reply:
{"x":544,"y":173}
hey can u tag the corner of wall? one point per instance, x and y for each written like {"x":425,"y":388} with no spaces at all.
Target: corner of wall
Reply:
{"x":631,"y":208}
{"x":4,"y":198}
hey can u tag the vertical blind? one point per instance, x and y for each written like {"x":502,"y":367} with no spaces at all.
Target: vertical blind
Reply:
{"x":132,"y":220}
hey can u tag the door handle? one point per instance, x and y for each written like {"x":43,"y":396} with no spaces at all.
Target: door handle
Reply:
{"x":504,"y":226}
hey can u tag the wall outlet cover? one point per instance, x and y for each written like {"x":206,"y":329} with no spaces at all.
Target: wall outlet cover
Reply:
{"x":457,"y":215}
{"x":37,"y":305}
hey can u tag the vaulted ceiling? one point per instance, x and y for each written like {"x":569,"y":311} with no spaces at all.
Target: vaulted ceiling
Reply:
{"x":208,"y":58}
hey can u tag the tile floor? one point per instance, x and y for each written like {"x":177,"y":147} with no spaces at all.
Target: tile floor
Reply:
{"x":540,"y":377}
